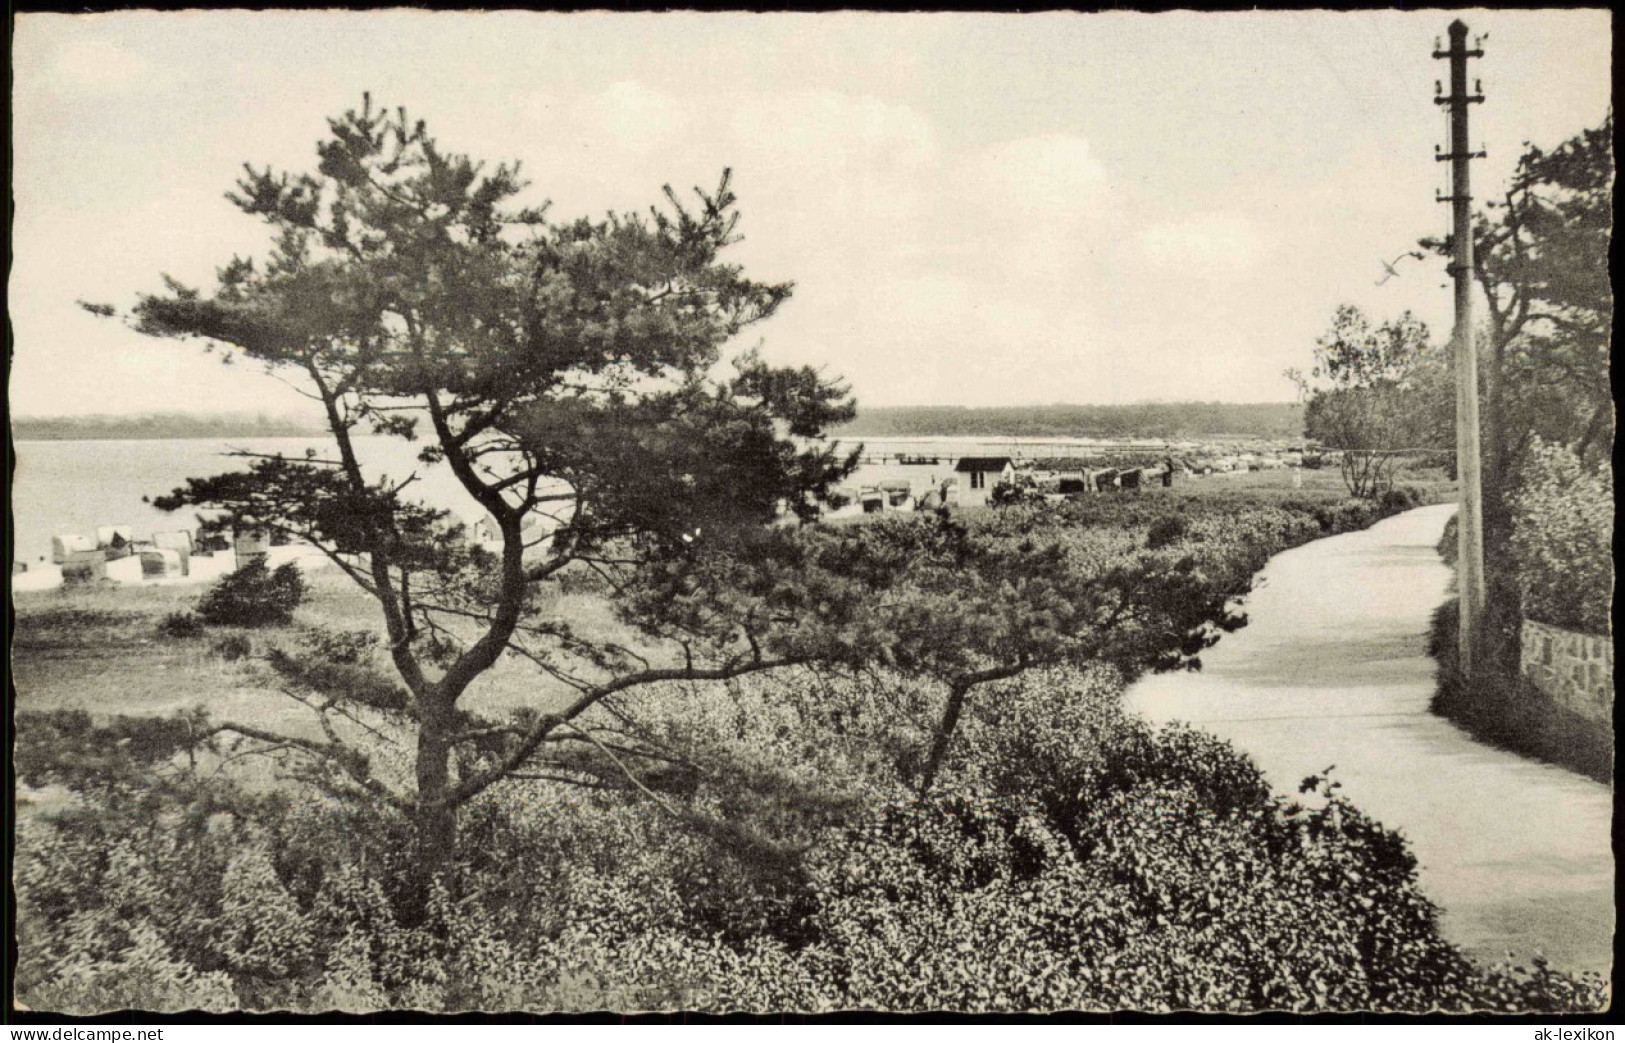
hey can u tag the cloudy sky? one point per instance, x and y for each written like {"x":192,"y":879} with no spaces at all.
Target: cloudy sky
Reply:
{"x":977,"y":210}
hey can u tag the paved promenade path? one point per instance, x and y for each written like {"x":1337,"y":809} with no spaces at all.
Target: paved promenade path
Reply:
{"x":1333,"y":670}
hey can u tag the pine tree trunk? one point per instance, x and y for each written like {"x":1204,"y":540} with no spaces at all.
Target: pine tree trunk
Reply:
{"x":434,"y":818}
{"x":945,"y":736}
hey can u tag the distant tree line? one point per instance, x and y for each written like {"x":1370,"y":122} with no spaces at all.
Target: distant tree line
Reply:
{"x":1138,"y":420}
{"x":158,"y":425}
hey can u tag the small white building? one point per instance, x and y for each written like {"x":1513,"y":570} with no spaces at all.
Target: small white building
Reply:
{"x":251,"y":545}
{"x":485,"y":531}
{"x":899,"y":493}
{"x":179,"y":541}
{"x":71,"y":546}
{"x":89,"y":569}
{"x":981,"y":474}
{"x":160,"y":563}
{"x":115,"y":541}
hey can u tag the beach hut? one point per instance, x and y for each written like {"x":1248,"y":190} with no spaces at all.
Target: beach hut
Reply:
{"x":85,"y":569}
{"x":251,"y":545}
{"x":873,"y":500}
{"x":213,"y":542}
{"x":537,"y":526}
{"x":179,"y":541}
{"x":115,"y":541}
{"x":983,"y":475}
{"x":213,"y":531}
{"x":67,"y":545}
{"x":486,"y":530}
{"x":157,"y":563}
{"x":899,"y":491}
{"x":842,"y":501}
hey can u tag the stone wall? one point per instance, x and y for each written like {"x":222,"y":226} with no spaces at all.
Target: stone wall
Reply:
{"x":1576,"y":671}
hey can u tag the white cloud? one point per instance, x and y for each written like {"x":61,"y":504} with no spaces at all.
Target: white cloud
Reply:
{"x":1021,"y":218}
{"x":635,"y":116}
{"x":102,"y":65}
{"x":1214,"y":245}
{"x":1053,"y":177}
{"x":828,"y":131}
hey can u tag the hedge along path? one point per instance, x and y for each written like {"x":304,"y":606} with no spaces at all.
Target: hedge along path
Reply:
{"x":1333,"y":670}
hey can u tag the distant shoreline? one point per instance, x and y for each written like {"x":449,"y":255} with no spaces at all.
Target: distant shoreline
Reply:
{"x":19,"y":438}
{"x":157,"y":427}
{"x":1143,"y":420}
{"x":1149,"y":420}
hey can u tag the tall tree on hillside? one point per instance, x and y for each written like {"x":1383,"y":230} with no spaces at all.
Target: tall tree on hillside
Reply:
{"x":565,"y":373}
{"x":1375,"y":393}
{"x":1541,"y":259}
{"x":1542,"y":262}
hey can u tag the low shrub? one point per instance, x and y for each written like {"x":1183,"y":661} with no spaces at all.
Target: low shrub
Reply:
{"x":1006,"y":494}
{"x":233,"y":647}
{"x":1449,"y":542}
{"x":348,"y":647}
{"x":581,"y":581}
{"x":1168,"y":529}
{"x":73,"y":749}
{"x":1401,"y":498}
{"x":145,"y":976}
{"x":183,"y":624}
{"x":254,"y":596}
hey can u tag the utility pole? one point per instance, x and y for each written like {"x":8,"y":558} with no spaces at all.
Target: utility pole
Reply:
{"x":1469,"y":513}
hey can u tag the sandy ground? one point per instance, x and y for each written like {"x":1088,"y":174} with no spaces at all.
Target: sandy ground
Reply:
{"x":1333,"y":670}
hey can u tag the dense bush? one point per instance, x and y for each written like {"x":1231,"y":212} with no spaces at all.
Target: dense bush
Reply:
{"x":1074,"y":857}
{"x":254,"y":596}
{"x":1167,"y":530}
{"x":1006,"y":494}
{"x":1401,"y":498}
{"x":181,"y":625}
{"x":73,"y":749}
{"x":337,"y":664}
{"x":1562,"y":540}
{"x":233,"y":647}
